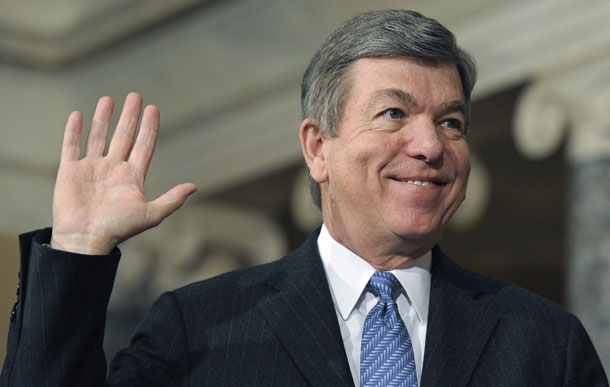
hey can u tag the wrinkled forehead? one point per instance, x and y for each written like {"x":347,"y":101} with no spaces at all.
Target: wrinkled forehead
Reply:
{"x":372,"y":78}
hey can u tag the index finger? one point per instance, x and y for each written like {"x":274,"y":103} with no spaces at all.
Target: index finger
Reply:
{"x":70,"y":149}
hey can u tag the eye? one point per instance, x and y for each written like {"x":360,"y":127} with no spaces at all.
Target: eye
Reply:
{"x":394,"y":113}
{"x":453,"y":123}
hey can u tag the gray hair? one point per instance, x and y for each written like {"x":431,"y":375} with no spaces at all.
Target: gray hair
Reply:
{"x":376,"y":34}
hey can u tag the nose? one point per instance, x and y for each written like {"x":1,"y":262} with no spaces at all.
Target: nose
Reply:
{"x":424,"y":141}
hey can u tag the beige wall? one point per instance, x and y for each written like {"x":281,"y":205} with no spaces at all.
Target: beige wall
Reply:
{"x":9,"y":263}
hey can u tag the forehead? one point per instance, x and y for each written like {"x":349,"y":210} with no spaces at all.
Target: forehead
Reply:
{"x":426,"y":82}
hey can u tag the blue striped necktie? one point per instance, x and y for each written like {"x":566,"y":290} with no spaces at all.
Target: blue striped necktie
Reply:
{"x":386,"y":355}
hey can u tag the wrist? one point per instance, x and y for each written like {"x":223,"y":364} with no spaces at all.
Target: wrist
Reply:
{"x":80,"y":244}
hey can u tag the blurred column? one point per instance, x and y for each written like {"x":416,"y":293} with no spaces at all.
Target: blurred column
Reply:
{"x":589,"y":223}
{"x":574,"y":106}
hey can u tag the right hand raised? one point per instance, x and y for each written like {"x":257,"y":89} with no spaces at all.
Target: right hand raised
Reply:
{"x":99,"y":199}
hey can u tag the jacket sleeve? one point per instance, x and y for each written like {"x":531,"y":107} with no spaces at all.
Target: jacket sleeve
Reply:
{"x":57,"y":328}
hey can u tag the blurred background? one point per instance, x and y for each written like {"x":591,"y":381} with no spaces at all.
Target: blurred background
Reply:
{"x":226,"y":77}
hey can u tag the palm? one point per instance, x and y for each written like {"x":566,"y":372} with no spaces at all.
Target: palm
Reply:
{"x":92,"y":194}
{"x":99,"y":200}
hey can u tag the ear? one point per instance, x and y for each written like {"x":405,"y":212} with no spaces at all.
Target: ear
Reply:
{"x":312,"y":141}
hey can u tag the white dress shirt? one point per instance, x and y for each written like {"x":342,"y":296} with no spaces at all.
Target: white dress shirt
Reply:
{"x":348,"y":275}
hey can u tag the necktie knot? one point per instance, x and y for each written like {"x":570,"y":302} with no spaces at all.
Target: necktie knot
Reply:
{"x":384,"y":285}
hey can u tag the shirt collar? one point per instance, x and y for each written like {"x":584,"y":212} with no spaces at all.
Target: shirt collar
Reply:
{"x":348,"y":275}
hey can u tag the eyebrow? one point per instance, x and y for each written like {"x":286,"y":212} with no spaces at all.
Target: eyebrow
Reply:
{"x":454,"y":105}
{"x":404,"y":97}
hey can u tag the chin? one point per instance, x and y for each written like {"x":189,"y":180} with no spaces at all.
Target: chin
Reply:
{"x":418,"y":233}
{"x":418,"y":228}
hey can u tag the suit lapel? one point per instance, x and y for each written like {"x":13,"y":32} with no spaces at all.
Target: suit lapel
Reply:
{"x":461,"y":320}
{"x":299,"y":308}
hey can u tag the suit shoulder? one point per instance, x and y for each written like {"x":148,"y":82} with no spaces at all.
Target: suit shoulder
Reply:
{"x":517,"y":295}
{"x":524,"y":305}
{"x":507,"y":297}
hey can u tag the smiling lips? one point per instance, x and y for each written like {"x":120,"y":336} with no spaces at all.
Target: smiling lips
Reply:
{"x":421,"y":182}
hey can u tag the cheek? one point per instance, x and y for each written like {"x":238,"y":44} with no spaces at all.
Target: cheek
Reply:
{"x":363,"y":157}
{"x":344,"y":169}
{"x":359,"y":161}
{"x":467,"y":175}
{"x":378,"y":151}
{"x":462,"y":165}
{"x":460,"y":157}
{"x":465,"y":168}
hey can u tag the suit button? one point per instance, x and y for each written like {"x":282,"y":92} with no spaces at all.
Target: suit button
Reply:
{"x":16,"y":305}
{"x":14,"y":312}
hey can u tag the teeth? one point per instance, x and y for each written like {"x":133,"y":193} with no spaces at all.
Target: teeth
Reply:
{"x":419,"y":182}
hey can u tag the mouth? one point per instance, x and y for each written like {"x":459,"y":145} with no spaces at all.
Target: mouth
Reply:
{"x":421,"y":182}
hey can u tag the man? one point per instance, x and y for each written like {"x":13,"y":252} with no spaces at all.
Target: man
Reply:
{"x":369,"y":299}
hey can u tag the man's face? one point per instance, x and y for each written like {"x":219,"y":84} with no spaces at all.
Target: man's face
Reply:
{"x":398,"y":168}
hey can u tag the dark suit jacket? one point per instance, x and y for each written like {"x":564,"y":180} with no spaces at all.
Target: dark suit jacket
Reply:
{"x":275,"y":325}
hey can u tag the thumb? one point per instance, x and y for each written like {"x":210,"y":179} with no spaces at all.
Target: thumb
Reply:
{"x":169,"y":202}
